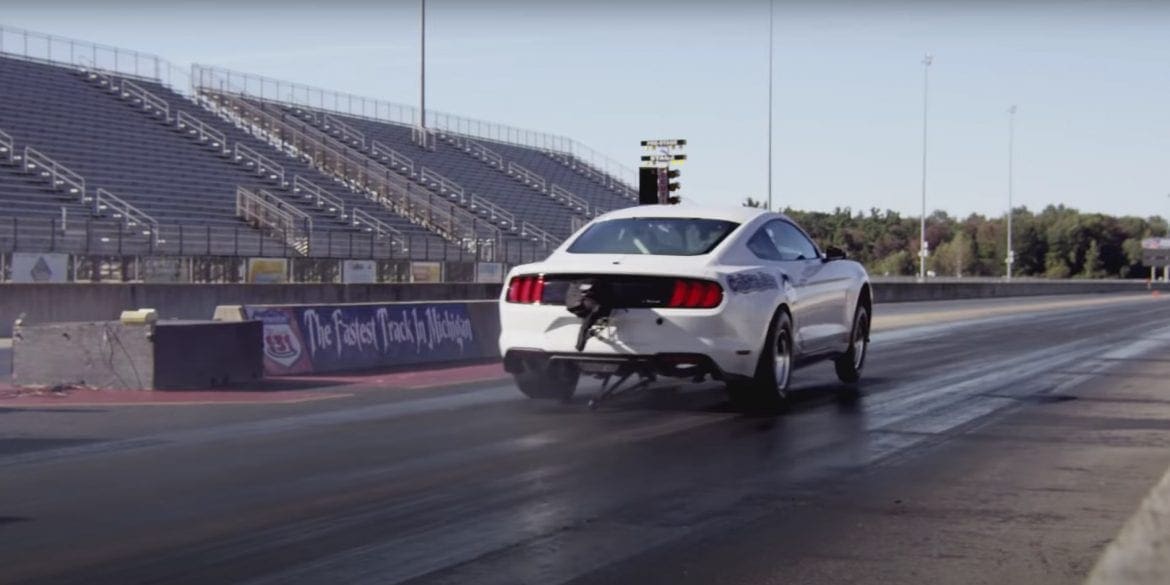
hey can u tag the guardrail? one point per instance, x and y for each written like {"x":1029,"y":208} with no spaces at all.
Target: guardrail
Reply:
{"x":59,"y":176}
{"x":7,"y":147}
{"x":391,"y":156}
{"x":362,"y":173}
{"x":528,"y":177}
{"x":204,"y":132}
{"x":35,"y":46}
{"x":320,"y":198}
{"x":149,"y":101}
{"x":346,"y":131}
{"x":127,"y":213}
{"x":258,"y":162}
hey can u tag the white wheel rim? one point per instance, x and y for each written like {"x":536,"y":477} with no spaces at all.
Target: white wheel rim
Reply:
{"x":859,"y":343}
{"x":782,"y":361}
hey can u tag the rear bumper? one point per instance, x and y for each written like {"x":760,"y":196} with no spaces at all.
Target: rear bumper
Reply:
{"x":674,"y":365}
{"x":728,"y":337}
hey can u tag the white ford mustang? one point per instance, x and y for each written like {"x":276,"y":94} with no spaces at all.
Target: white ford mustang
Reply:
{"x":738,"y":294}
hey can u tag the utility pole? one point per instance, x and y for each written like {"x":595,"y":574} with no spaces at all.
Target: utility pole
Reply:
{"x":771,"y":26}
{"x":1011,"y":252}
{"x":926,"y":61}
{"x":422,"y":68}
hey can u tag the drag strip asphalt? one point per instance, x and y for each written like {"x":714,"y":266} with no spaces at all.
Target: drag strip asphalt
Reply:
{"x":962,"y":422}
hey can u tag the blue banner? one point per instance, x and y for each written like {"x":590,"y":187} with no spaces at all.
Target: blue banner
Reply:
{"x":354,"y":337}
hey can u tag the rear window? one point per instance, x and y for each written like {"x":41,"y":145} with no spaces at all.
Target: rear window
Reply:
{"x":665,"y":236}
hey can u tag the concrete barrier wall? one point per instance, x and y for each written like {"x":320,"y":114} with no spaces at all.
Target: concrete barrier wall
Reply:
{"x":110,"y":355}
{"x":902,"y":291}
{"x":45,"y":303}
{"x":54,"y":303}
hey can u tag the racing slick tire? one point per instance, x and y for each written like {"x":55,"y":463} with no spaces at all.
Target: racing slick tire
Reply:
{"x":767,"y":390}
{"x":546,"y":381}
{"x":850,"y":364}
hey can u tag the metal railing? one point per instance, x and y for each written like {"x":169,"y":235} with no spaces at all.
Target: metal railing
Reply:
{"x":538,"y":235}
{"x":481,"y":152}
{"x":498,"y":215}
{"x":291,"y":226}
{"x":347,"y":132}
{"x":258,"y":162}
{"x":389,"y":155}
{"x":369,"y":223}
{"x":529,"y":178}
{"x":7,"y":147}
{"x":616,"y":184}
{"x":133,"y":91}
{"x":577,"y":222}
{"x":384,"y":111}
{"x":443,"y":184}
{"x":359,"y":172}
{"x":59,"y":176}
{"x":130,"y":216}
{"x":578,"y":204}
{"x":87,"y":238}
{"x":320,"y":198}
{"x":203,"y":132}
{"x":35,"y":46}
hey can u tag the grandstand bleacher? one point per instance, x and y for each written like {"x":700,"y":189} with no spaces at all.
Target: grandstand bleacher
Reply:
{"x":94,"y":160}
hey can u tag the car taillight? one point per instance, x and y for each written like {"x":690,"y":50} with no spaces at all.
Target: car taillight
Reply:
{"x":526,"y":289}
{"x":695,"y":294}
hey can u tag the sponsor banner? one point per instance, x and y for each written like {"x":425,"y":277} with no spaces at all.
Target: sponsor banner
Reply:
{"x":284,"y":351}
{"x":426,"y":272}
{"x":359,"y":272}
{"x":39,"y":268}
{"x":321,"y":338}
{"x":491,"y":272}
{"x":167,"y":269}
{"x":267,"y":271}
{"x":1156,"y":244}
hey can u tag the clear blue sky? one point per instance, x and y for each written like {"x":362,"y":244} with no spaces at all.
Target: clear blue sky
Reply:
{"x":1091,"y":79}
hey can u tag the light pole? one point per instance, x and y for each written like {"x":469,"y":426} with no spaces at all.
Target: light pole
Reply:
{"x":1011,"y":252}
{"x":771,"y":25}
{"x":926,"y":61}
{"x":422,"y":67}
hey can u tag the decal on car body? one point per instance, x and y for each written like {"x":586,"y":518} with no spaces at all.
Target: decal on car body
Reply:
{"x":746,"y":282}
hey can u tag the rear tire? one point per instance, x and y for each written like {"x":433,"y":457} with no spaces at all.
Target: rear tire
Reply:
{"x":850,"y":365}
{"x":548,"y":382}
{"x":767,"y":391}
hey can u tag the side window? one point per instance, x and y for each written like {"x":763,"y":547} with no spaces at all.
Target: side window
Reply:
{"x":790,"y":242}
{"x":762,"y":246}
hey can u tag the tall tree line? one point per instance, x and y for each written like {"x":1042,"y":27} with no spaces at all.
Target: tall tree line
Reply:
{"x":1057,"y":242}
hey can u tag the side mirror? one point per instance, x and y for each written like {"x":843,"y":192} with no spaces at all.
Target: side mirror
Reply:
{"x":834,"y":253}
